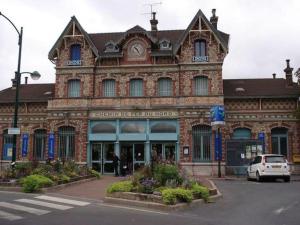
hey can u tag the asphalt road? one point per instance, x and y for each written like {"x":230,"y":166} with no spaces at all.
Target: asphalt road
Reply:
{"x":243,"y":203}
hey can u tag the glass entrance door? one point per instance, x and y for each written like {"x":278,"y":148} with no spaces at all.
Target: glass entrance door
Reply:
{"x":102,"y":154}
{"x":132,"y":157}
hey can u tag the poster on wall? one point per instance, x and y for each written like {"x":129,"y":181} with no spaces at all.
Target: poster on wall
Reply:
{"x":217,"y":115}
{"x":24,"y":144}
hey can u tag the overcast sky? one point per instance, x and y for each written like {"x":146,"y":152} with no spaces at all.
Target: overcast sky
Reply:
{"x":263,"y":33}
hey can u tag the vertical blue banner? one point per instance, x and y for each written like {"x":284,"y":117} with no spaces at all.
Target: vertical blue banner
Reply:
{"x":217,"y":115}
{"x":24,"y":145}
{"x":51,"y":146}
{"x":218,"y":146}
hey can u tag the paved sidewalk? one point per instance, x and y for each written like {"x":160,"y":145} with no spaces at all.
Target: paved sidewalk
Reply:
{"x":93,"y":189}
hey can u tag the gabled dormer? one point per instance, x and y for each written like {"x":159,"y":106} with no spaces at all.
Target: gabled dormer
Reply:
{"x":74,"y":47}
{"x":201,"y":42}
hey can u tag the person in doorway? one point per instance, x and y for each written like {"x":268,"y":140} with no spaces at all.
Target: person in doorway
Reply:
{"x":116,"y":164}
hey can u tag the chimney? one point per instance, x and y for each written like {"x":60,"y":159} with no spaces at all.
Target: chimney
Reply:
{"x":214,"y":19}
{"x":274,"y":75}
{"x":26,"y":80}
{"x":153,"y":22}
{"x":288,"y":73}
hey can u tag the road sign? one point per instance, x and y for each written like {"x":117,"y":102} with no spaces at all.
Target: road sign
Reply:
{"x":14,"y":130}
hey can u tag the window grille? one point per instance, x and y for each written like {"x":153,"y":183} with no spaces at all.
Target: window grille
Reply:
{"x":201,"y":143}
{"x":136,"y":87}
{"x":66,"y":142}
{"x":165,"y":87}
{"x":74,"y":88}
{"x":39,"y":146}
{"x":109,"y":88}
{"x":201,"y":85}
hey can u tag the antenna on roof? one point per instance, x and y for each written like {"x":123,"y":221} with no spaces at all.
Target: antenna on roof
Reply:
{"x":151,"y":7}
{"x":153,"y":20}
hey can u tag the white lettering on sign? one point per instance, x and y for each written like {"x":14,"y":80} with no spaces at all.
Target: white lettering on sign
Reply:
{"x":13,"y":130}
{"x":133,"y":114}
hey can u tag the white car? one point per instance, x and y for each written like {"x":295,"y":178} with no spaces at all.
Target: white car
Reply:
{"x":269,"y":165}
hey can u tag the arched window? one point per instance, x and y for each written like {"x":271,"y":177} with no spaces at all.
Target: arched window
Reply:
{"x":66,"y":142}
{"x":201,"y":85}
{"x":280,"y":141}
{"x":241,"y":133}
{"x":75,"y":52}
{"x":164,"y":87}
{"x":136,"y":87}
{"x":73,"y":88}
{"x":7,"y":145}
{"x":104,"y":128}
{"x":39,"y":146}
{"x":200,"y":48}
{"x":109,"y":88}
{"x":201,"y":143}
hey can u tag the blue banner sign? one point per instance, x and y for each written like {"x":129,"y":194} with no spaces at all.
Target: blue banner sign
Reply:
{"x":261,"y":136}
{"x":51,"y":146}
{"x":218,"y":146}
{"x":217,"y":115}
{"x":24,"y":145}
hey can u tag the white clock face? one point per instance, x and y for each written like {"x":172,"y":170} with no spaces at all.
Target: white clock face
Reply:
{"x":136,"y":50}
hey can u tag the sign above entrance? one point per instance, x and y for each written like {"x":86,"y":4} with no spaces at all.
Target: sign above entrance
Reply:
{"x":133,"y":114}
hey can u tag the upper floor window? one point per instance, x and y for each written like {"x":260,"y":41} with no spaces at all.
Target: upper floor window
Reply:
{"x":111,"y":47}
{"x":165,"y":44}
{"x":75,"y":55}
{"x":73,"y":88}
{"x":200,"y":54}
{"x":109,"y":88}
{"x":201,"y":85}
{"x":136,"y":87}
{"x":165,"y":87}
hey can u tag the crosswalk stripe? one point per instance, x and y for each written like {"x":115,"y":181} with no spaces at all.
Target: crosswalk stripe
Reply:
{"x":62,"y":200}
{"x":23,"y":208}
{"x":45,"y":204}
{"x":9,"y":216}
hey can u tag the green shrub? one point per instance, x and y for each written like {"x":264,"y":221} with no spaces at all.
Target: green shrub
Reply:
{"x":71,"y":169}
{"x":95,"y":173}
{"x":34,"y":183}
{"x":43,"y":170}
{"x":160,"y":189}
{"x":122,"y":186}
{"x":170,"y":196}
{"x":57,"y":166}
{"x":23,"y":169}
{"x":164,"y":172}
{"x":64,"y":178}
{"x":200,"y":192}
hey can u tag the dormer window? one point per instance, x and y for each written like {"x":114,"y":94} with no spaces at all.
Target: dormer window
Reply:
{"x":165,"y":45}
{"x":200,"y":51}
{"x":111,"y":47}
{"x":75,"y":55}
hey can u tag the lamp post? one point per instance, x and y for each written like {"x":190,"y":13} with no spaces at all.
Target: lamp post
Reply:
{"x":16,"y":83}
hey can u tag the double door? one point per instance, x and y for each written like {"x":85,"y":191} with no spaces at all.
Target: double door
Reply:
{"x":132,"y":157}
{"x":102,"y":157}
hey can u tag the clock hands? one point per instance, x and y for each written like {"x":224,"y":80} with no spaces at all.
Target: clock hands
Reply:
{"x":136,"y":49}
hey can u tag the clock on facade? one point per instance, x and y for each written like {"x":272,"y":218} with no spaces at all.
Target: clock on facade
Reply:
{"x":136,"y":50}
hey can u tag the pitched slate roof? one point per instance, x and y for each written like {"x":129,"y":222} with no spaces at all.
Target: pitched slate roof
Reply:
{"x":245,"y":88}
{"x":28,"y":93}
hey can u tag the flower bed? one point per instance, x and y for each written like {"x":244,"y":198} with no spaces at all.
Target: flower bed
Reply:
{"x":164,"y":184}
{"x":32,"y":176}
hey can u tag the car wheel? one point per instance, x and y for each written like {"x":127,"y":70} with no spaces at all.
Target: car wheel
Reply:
{"x":287,"y":179}
{"x":258,"y":178}
{"x":248,"y":177}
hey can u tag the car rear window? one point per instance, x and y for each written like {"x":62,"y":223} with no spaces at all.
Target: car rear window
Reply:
{"x":274,"y":159}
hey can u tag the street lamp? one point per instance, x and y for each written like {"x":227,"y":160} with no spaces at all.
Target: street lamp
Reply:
{"x":16,"y":83}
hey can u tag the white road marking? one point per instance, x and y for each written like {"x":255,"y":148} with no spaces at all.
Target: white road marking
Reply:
{"x":136,"y":209}
{"x":282,"y":209}
{"x":62,"y":200}
{"x":45,"y":204}
{"x":23,"y":208}
{"x":9,"y":216}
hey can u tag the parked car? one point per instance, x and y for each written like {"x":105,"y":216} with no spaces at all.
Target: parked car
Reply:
{"x":269,"y":165}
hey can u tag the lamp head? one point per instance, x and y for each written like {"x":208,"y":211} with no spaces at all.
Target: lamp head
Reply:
{"x":35,"y":75}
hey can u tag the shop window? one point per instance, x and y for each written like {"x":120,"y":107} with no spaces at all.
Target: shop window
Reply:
{"x":39,"y":146}
{"x":66,"y":142}
{"x":201,"y":143}
{"x":165,"y":87}
{"x":7,"y":145}
{"x":73,"y":88}
{"x":133,"y":127}
{"x":201,"y":85}
{"x":163,"y":127}
{"x":109,"y":88}
{"x":103,"y":128}
{"x":241,"y":133}
{"x":136,"y":87}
